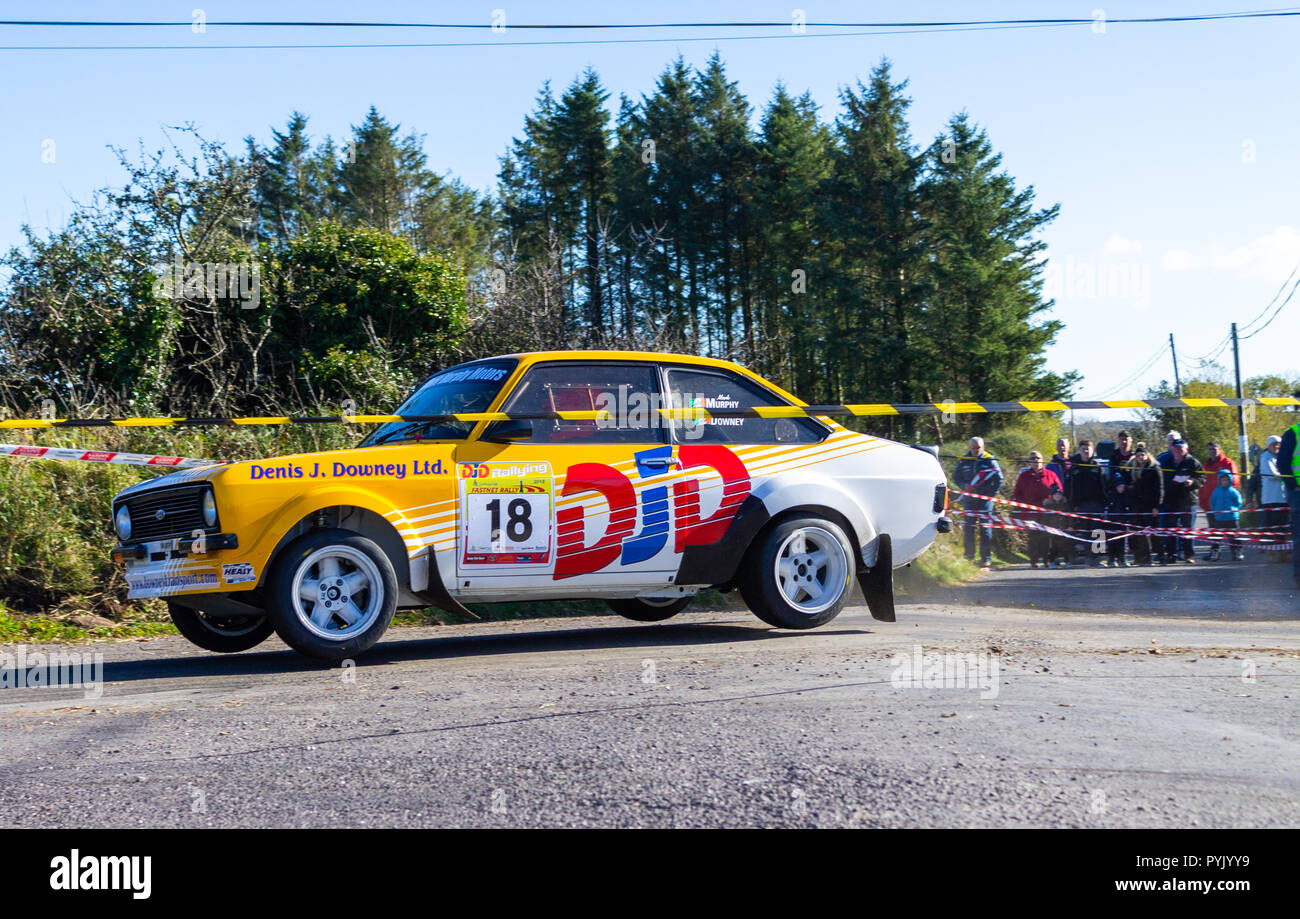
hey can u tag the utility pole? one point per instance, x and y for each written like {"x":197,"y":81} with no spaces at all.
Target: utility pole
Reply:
{"x":1178,"y":383}
{"x":1243,"y":447}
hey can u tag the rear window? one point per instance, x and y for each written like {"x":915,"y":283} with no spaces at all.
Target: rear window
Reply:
{"x":722,"y":390}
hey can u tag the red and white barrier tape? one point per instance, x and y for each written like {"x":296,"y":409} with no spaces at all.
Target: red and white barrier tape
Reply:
{"x":999,"y":522}
{"x":1258,"y":531}
{"x":102,"y":456}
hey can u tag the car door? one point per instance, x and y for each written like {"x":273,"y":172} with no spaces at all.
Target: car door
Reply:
{"x":567,"y":507}
{"x":722,"y":461}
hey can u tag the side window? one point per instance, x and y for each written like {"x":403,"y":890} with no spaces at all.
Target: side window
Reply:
{"x":629,"y":392}
{"x":722,"y":390}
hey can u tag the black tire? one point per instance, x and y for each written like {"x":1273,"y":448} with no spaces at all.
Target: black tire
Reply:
{"x":226,"y":635}
{"x":331,"y":634}
{"x":811,"y":595}
{"x":648,"y":610}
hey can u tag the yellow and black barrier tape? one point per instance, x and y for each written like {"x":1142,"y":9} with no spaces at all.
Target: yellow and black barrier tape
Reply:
{"x":862,"y":410}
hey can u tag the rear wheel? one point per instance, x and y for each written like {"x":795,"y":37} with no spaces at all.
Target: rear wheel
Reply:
{"x":647,"y":610}
{"x":332,"y":594}
{"x":226,"y":634}
{"x":800,"y":574}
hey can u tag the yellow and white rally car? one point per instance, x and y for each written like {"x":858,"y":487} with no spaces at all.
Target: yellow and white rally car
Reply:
{"x":637,"y":478}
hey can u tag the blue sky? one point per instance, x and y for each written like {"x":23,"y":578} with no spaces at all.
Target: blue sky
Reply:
{"x":1174,"y":150}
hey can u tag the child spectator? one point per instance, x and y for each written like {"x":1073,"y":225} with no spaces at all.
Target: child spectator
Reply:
{"x":1225,"y":513}
{"x":1215,"y":460}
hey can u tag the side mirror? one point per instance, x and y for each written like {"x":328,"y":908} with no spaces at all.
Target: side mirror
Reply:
{"x":505,"y":431}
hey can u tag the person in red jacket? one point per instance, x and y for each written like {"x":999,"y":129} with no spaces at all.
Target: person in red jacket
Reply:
{"x":1036,"y":485}
{"x":1215,"y":459}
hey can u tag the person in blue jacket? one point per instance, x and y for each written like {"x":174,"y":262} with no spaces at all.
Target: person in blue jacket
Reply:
{"x":978,"y":472}
{"x":1225,"y":513}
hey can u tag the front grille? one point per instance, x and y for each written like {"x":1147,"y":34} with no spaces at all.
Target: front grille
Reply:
{"x":182,"y":513}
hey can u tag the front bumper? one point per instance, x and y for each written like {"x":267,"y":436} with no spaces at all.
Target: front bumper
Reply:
{"x":176,"y":548}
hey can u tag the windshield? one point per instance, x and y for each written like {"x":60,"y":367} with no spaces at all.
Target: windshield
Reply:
{"x":466,"y":388}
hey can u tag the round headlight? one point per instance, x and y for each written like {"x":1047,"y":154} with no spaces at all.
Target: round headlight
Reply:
{"x":209,"y":509}
{"x":122,"y":521}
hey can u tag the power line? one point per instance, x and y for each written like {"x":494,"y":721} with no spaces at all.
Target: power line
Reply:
{"x":484,"y":44}
{"x":1131,"y":378}
{"x":917,"y":24}
{"x":874,"y":29}
{"x":1214,"y":351}
{"x":1279,"y":309}
{"x":1272,"y":301}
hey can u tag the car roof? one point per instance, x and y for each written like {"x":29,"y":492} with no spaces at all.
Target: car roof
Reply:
{"x":528,"y":358}
{"x":659,"y":356}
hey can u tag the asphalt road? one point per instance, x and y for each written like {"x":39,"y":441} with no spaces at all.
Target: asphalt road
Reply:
{"x":1143,"y":711}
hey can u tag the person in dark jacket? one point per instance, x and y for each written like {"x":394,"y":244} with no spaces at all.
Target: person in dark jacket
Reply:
{"x":1288,"y":466}
{"x":1183,"y":476}
{"x":978,"y":471}
{"x":1146,"y":495}
{"x":1120,"y":480}
{"x":1087,"y":488}
{"x":1061,"y":549}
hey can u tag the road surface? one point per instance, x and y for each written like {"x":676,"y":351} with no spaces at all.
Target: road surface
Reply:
{"x":1171,"y":701}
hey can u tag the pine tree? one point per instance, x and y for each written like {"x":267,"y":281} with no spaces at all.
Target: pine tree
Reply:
{"x":578,"y":137}
{"x":287,"y":185}
{"x":723,"y":163}
{"x":879,"y":246}
{"x":381,"y":175}
{"x":674,"y":264}
{"x":535,"y":233}
{"x":637,"y":305}
{"x":792,"y":168}
{"x":984,"y":301}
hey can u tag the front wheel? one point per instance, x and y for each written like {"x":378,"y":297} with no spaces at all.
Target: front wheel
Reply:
{"x":800,"y":574}
{"x":642,"y":610}
{"x":332,"y":594}
{"x":227,"y":634}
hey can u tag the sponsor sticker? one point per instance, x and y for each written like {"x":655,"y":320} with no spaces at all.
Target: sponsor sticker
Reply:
{"x":238,"y":573}
{"x":506,"y":513}
{"x":156,"y":585}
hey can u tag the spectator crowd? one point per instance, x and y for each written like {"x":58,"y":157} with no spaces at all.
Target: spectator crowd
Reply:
{"x":1133,"y":486}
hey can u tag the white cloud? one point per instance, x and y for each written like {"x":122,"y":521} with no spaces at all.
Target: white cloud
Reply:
{"x":1121,"y":245}
{"x":1270,"y":257}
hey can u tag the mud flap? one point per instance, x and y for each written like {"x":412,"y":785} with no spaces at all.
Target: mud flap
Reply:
{"x":437,"y":594}
{"x":877,"y":582}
